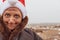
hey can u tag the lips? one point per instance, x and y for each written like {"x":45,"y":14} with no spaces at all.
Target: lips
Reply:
{"x":12,"y":25}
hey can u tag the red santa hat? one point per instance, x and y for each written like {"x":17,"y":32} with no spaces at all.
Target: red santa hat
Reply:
{"x":13,"y":3}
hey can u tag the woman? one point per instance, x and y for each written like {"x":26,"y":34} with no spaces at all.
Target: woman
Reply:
{"x":13,"y":21}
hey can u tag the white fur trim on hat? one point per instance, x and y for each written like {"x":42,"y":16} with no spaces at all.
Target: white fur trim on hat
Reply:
{"x":15,"y":3}
{"x":1,"y":3}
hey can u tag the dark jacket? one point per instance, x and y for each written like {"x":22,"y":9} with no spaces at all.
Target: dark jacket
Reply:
{"x":25,"y":34}
{"x":19,"y":33}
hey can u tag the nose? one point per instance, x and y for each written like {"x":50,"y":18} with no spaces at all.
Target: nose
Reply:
{"x":11,"y":20}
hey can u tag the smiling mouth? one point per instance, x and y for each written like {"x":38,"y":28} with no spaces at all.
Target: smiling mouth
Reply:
{"x":11,"y":24}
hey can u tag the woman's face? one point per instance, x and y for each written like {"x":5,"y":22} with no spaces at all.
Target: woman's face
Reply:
{"x":12,"y":17}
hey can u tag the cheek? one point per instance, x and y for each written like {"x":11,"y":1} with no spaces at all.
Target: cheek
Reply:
{"x":5,"y":19}
{"x":18,"y":21}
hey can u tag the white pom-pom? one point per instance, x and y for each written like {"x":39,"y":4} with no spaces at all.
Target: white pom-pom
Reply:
{"x":12,"y":2}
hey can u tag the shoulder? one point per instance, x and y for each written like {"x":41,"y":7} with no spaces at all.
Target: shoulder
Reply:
{"x":29,"y":31}
{"x":32,"y":33}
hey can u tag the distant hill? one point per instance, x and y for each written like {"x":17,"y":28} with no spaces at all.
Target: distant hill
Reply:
{"x":55,"y":25}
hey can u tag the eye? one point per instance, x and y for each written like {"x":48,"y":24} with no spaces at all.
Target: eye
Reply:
{"x":16,"y":16}
{"x":7,"y":14}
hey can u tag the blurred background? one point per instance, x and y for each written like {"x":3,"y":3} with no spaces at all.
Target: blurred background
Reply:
{"x":43,"y":11}
{"x":44,"y":18}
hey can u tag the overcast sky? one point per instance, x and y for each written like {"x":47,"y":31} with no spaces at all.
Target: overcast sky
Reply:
{"x":43,"y":11}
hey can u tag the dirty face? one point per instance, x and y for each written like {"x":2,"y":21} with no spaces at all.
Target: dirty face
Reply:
{"x":12,"y":17}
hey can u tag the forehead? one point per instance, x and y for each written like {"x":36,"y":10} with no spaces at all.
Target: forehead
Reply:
{"x":12,"y":9}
